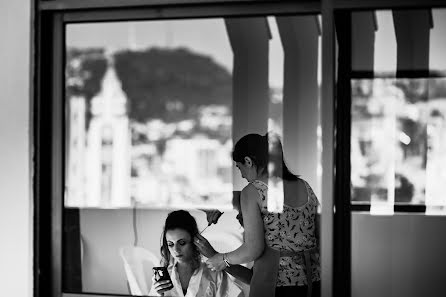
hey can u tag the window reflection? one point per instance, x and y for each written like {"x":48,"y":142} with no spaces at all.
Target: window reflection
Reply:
{"x":152,"y":109}
{"x":149,"y":126}
{"x":397,"y":140}
{"x":398,"y":118}
{"x":149,"y":116}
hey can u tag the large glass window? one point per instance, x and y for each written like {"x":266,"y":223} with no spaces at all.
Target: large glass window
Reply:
{"x":398,"y":109}
{"x":397,"y":86}
{"x":152,"y":109}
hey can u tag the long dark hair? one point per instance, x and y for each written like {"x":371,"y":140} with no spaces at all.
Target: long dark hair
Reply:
{"x":179,"y":219}
{"x":263,"y":150}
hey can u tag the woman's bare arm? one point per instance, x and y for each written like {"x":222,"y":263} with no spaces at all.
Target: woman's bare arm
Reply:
{"x":238,"y":271}
{"x":253,"y":244}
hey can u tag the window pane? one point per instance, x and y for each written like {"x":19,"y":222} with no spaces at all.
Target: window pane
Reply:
{"x":398,"y":117}
{"x":149,"y":130}
{"x":398,"y":109}
{"x":152,"y":109}
{"x":150,"y":116}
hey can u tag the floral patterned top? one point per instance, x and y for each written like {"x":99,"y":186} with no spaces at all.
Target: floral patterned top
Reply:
{"x":292,"y":229}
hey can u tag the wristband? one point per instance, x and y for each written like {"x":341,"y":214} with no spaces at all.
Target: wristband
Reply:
{"x":225,"y":259}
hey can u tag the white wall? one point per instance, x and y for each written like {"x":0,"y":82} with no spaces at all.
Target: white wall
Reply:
{"x":399,"y":255}
{"x":15,"y":186}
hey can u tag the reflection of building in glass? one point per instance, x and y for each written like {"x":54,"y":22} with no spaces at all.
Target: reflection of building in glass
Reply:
{"x":398,"y":142}
{"x":374,"y":148}
{"x":107,"y":161}
{"x":198,"y":160}
{"x":190,"y":172}
{"x":185,"y":162}
{"x":106,"y":165}
{"x":76,"y":152}
{"x":436,"y":153}
{"x":215,"y":117}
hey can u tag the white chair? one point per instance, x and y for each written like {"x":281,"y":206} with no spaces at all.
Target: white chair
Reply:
{"x":138,"y":263}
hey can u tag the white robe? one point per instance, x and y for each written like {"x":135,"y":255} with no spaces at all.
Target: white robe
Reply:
{"x":203,"y":283}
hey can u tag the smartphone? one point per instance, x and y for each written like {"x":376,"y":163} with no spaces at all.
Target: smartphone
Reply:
{"x":161,"y":273}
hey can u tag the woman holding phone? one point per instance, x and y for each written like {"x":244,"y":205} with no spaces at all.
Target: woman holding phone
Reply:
{"x":189,"y":276}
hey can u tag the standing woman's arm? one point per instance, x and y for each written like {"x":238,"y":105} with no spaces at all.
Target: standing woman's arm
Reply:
{"x":253,"y":243}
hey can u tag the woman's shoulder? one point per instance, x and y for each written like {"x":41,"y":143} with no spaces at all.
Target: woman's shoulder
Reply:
{"x":257,"y":185}
{"x":254,"y":189}
{"x":312,"y":196}
{"x":250,"y":187}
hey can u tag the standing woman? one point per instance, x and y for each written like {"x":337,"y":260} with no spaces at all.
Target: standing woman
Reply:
{"x":283,"y":245}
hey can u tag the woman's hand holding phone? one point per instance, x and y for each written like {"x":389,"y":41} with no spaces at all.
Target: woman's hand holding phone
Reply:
{"x":161,"y":280}
{"x":162,"y":286}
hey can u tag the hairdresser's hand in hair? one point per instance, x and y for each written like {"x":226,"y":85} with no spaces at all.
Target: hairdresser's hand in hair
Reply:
{"x":204,"y":246}
{"x":212,"y":215}
{"x":216,"y":262}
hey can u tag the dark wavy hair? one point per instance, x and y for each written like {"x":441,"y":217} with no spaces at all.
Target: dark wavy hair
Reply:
{"x":179,"y":219}
{"x":263,"y":149}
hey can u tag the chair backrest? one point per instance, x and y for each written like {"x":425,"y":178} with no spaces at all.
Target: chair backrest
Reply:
{"x":138,"y":263}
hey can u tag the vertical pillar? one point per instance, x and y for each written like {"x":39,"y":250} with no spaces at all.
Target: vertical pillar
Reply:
{"x":412,"y":30}
{"x":328,"y":141}
{"x":363,"y":41}
{"x":249,"y":42}
{"x":300,"y":37}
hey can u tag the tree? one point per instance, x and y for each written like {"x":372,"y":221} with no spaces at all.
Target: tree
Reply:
{"x":171,"y":83}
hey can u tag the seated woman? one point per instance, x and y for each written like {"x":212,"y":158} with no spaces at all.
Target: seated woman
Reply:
{"x":190,"y":276}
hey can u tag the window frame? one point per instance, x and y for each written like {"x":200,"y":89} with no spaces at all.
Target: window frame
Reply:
{"x":341,"y":13}
{"x":52,"y":18}
{"x":48,"y":22}
{"x":345,"y":75}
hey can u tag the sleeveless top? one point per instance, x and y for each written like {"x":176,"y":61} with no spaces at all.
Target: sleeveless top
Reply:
{"x":293,"y":229}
